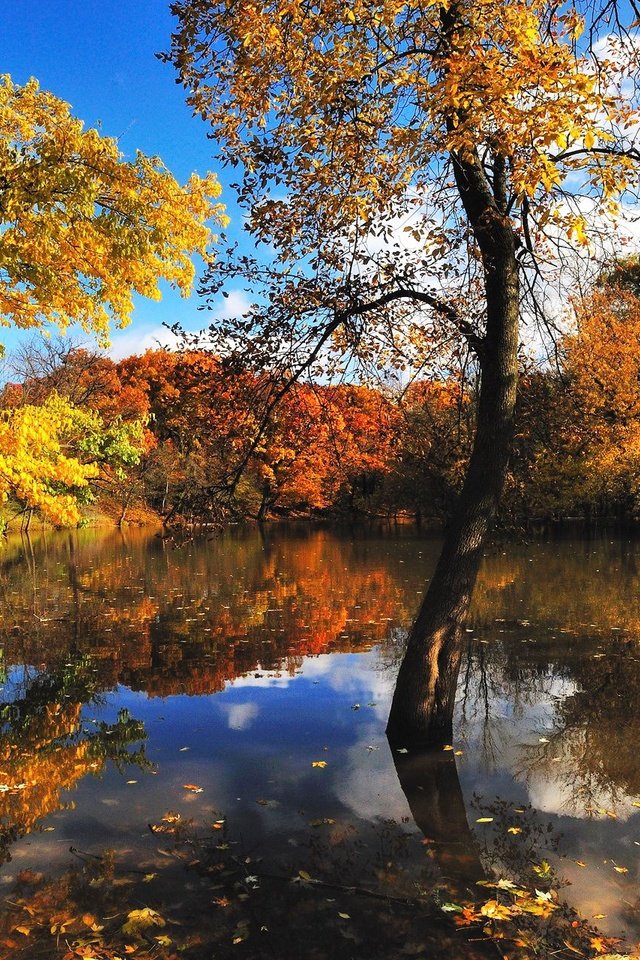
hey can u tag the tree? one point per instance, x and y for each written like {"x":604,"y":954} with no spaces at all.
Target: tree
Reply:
{"x":482,"y":130}
{"x":50,"y":453}
{"x":82,"y":229}
{"x":602,"y":363}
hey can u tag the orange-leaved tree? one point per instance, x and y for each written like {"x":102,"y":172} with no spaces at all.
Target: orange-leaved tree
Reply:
{"x":602,"y":364}
{"x":408,"y":162}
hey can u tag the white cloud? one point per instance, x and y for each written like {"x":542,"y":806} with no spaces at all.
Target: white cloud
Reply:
{"x":240,"y":716}
{"x":136,"y":340}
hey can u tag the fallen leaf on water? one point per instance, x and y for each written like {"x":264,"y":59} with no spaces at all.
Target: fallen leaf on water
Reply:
{"x":193,"y":787}
{"x":318,"y":763}
{"x":132,"y":781}
{"x":304,"y":875}
{"x":139,"y":920}
{"x":484,"y":820}
{"x":148,"y":877}
{"x":345,"y":916}
{"x":621,"y":869}
{"x":580,"y":863}
{"x":448,"y":747}
{"x":514,"y":830}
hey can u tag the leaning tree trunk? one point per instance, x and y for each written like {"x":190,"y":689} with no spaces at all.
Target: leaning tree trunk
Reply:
{"x":422,"y":707}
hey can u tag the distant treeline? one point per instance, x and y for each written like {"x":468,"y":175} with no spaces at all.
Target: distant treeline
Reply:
{"x":183,"y":437}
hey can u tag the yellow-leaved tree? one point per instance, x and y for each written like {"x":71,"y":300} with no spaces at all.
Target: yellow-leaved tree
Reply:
{"x":81,"y":228}
{"x":50,"y":453}
{"x":414,"y":165}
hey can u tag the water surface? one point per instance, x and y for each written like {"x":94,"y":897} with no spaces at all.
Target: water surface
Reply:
{"x":244,"y":681}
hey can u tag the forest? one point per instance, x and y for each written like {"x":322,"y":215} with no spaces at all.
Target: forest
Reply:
{"x":295,"y":739}
{"x":170,"y":437}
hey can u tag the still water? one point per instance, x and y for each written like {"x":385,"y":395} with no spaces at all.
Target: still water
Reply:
{"x":243,"y":682}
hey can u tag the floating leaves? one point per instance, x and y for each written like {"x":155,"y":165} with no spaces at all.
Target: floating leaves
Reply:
{"x":319,"y":763}
{"x":140,"y":920}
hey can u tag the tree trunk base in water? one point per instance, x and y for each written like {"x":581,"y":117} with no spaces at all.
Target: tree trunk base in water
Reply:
{"x":421,"y":714}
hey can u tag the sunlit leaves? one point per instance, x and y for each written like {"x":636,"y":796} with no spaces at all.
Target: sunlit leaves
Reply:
{"x":139,"y":921}
{"x":82,"y":228}
{"x":50,"y":453}
{"x":350,"y":107}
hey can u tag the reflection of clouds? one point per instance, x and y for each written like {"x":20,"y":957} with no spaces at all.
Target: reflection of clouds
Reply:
{"x":357,"y":674}
{"x":240,"y":716}
{"x":369,"y":784}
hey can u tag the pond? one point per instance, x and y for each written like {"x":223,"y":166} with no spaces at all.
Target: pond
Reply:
{"x":197,"y":729}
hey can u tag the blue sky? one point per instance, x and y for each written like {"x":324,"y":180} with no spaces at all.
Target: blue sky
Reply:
{"x":99,"y":55}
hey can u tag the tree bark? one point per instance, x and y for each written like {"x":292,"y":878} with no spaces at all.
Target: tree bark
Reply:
{"x":422,"y":708}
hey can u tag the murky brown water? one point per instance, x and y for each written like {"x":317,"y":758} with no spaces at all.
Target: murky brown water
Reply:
{"x":244,"y":681}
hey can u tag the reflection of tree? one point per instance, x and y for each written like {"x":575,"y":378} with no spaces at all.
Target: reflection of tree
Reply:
{"x":591,"y":689}
{"x":592,"y":750}
{"x":429,"y":780}
{"x":187,"y":620}
{"x":45,"y":748}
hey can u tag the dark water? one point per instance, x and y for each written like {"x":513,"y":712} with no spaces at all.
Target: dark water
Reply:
{"x":244,"y":682}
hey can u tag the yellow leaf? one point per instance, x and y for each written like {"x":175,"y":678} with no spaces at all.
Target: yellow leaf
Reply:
{"x":318,"y":763}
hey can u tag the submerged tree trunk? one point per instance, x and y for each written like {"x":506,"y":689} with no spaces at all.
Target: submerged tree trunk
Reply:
{"x":422,"y":708}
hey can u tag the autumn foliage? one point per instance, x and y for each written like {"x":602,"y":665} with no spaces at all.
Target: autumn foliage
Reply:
{"x":83,"y":229}
{"x":183,"y":436}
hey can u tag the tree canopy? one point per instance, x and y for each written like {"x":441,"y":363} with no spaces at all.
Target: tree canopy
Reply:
{"x":81,"y":228}
{"x":376,"y":139}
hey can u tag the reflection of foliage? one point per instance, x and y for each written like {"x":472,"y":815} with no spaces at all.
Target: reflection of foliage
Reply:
{"x":45,"y":748}
{"x":185,"y":620}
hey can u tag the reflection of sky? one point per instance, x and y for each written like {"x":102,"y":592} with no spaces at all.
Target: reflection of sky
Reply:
{"x":250,"y":748}
{"x":513,"y":750}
